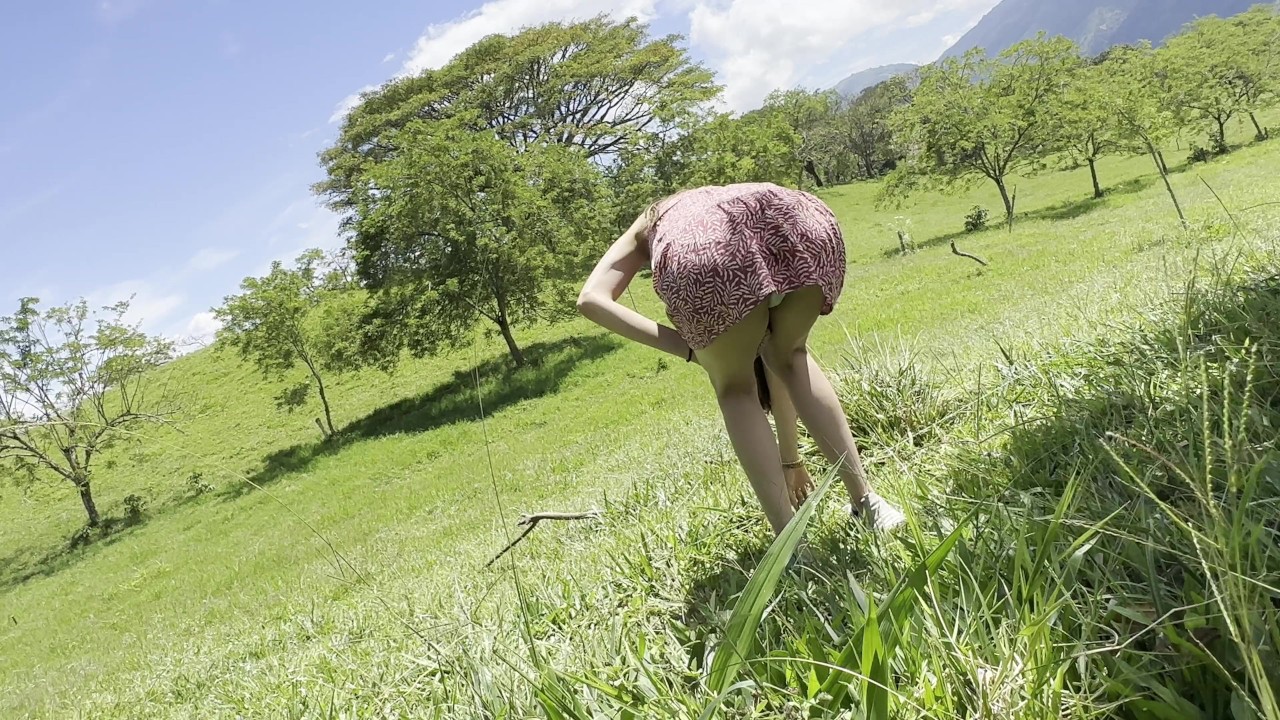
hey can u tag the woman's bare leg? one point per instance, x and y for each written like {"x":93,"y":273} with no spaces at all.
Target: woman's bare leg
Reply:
{"x":815,"y":400}
{"x":729,"y":361}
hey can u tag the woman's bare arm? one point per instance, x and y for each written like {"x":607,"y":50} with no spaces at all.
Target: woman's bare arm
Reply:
{"x":598,"y":300}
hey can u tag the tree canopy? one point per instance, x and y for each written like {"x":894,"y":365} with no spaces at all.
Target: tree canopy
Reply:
{"x":981,"y":117}
{"x":307,"y":315}
{"x":475,"y":190}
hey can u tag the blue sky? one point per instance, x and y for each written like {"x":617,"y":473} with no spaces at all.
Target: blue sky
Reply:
{"x":164,"y":149}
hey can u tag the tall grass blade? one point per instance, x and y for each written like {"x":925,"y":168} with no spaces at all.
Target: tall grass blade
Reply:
{"x":740,"y":636}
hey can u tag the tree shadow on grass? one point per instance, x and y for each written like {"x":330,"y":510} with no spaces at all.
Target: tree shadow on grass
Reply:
{"x":501,"y":385}
{"x":23,"y":564}
{"x":1068,"y":210}
{"x":1073,"y":209}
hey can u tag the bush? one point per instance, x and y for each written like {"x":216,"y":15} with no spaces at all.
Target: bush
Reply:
{"x":198,"y":484}
{"x":976,"y":219}
{"x":134,"y":506}
{"x":1199,"y":155}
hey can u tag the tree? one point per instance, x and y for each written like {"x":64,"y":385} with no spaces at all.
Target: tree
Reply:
{"x":1257,"y":31}
{"x":809,"y":116}
{"x":598,"y":86}
{"x":978,"y":117}
{"x":1131,"y":95}
{"x":1085,"y":126}
{"x":465,"y":228}
{"x":862,"y":125}
{"x":1215,"y":70}
{"x":73,"y":385}
{"x":599,"y":90}
{"x":757,"y":147}
{"x":307,"y":315}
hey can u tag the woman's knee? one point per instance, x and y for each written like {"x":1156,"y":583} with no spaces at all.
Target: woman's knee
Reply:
{"x":783,"y":360}
{"x":734,"y":386}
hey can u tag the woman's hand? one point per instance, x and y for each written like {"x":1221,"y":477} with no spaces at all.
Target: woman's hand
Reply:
{"x":799,"y":485}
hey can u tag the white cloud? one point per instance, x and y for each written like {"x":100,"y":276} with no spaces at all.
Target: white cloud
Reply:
{"x":349,"y":103}
{"x":752,"y":46}
{"x":203,"y":326}
{"x":149,"y":305}
{"x":388,"y":58}
{"x":211,"y":259}
{"x":757,"y":49}
{"x":440,"y":43}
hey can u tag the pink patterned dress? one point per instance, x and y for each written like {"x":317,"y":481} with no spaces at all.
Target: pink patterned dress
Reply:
{"x":718,"y":252}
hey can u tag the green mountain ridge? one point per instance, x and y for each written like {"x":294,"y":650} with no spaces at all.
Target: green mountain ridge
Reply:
{"x":863,"y":79}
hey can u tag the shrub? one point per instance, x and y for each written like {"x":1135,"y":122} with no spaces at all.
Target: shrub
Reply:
{"x":976,"y":219}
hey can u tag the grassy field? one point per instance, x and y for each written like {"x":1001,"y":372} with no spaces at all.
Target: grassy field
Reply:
{"x":273,"y":576}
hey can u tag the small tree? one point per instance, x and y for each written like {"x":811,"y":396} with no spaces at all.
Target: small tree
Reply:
{"x":73,"y":385}
{"x":306,"y":315}
{"x":1086,"y":129}
{"x":1132,"y":96}
{"x":465,"y":227}
{"x":862,"y":125}
{"x":979,"y":117}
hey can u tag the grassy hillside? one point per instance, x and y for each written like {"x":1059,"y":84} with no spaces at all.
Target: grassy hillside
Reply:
{"x":348,"y":577}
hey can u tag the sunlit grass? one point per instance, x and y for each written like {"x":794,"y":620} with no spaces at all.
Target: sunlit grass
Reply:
{"x":225,"y":603}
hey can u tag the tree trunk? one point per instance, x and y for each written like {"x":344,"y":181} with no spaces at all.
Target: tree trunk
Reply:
{"x":324,"y":400}
{"x":1093,"y":171}
{"x":517,"y":355}
{"x":1164,"y":167}
{"x":868,"y":165}
{"x":86,"y":497}
{"x":1222,"y":135}
{"x":902,"y":241}
{"x":812,"y":169}
{"x":1008,"y":204}
{"x":1164,"y":175}
{"x":1262,"y":134}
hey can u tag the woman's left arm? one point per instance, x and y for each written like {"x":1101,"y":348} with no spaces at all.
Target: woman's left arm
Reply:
{"x":598,"y":300}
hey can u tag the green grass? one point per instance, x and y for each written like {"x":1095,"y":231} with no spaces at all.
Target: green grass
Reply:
{"x":233,"y":602}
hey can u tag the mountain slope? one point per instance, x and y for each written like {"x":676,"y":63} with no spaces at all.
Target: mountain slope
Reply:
{"x":1094,"y":24}
{"x":853,"y":85}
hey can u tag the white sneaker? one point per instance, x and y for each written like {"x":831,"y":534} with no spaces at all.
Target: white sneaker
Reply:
{"x":876,"y":512}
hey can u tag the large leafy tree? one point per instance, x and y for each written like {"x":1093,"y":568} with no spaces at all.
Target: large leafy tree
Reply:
{"x":809,"y":115}
{"x":72,"y":385}
{"x":977,"y":117}
{"x":598,"y":90}
{"x":756,"y":147}
{"x":302,"y":316}
{"x":466,"y":228}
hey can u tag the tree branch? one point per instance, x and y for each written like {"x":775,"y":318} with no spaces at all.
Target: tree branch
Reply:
{"x":529,"y":522}
{"x":975,"y":258}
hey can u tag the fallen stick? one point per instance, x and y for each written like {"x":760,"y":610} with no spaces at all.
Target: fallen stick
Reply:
{"x":529,"y":522}
{"x":957,"y":251}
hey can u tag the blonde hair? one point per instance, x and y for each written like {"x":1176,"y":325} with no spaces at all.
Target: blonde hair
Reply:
{"x":652,"y":214}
